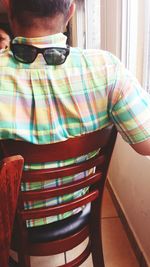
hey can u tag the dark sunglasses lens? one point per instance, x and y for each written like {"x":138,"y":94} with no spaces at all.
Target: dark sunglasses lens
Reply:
{"x":55,"y":56}
{"x":24,"y":54}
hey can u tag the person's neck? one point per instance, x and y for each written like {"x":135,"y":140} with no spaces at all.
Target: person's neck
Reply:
{"x":33,"y":33}
{"x":39,"y":28}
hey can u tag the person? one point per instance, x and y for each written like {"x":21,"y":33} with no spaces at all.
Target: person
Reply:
{"x":51,"y":92}
{"x":4,"y":39}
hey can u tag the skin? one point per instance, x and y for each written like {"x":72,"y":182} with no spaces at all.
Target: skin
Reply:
{"x":57,"y":24}
{"x":142,"y":148}
{"x":4,"y":39}
{"x":40,"y":27}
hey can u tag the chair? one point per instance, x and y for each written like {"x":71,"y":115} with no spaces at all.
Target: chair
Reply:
{"x":10,"y":176}
{"x":64,"y":235}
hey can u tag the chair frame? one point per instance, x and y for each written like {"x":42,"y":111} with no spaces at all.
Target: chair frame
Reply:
{"x":10,"y":177}
{"x":71,"y":148}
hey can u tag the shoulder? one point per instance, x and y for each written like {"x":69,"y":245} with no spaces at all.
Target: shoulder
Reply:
{"x":94,"y":57}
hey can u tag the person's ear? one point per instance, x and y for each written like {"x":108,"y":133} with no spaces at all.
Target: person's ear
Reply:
{"x":70,"y":12}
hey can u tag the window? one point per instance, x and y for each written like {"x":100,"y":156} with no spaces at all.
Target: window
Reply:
{"x":111,"y":26}
{"x":85,"y":25}
{"x":146,"y":65}
{"x":125,"y":29}
{"x":92,"y":22}
{"x":129,"y":32}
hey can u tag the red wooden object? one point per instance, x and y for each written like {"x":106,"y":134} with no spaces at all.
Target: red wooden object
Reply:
{"x":10,"y":176}
{"x":74,"y":147}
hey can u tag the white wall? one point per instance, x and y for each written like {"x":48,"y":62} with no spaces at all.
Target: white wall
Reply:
{"x":129,"y":173}
{"x":129,"y":176}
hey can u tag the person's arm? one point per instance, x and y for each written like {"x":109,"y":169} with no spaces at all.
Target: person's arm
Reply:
{"x":129,"y":109}
{"x":142,"y":148}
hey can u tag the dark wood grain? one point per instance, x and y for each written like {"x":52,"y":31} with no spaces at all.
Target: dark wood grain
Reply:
{"x":10,"y":176}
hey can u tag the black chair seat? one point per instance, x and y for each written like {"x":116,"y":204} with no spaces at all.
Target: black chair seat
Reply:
{"x":60,"y":229}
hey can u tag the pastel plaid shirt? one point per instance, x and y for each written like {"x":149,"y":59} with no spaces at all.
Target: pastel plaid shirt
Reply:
{"x":43,"y":104}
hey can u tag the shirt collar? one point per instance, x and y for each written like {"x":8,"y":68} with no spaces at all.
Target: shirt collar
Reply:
{"x":58,"y":39}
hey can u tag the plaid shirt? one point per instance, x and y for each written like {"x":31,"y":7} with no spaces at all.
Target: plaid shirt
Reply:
{"x":43,"y":104}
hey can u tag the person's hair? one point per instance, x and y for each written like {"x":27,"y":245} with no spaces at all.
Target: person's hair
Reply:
{"x":22,"y":10}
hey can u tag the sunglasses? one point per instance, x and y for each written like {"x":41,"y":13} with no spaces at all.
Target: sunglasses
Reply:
{"x":27,"y":53}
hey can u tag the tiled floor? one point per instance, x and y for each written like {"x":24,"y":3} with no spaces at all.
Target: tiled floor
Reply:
{"x":117,"y":250}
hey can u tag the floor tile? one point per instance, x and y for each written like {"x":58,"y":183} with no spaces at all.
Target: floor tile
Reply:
{"x":50,"y":261}
{"x":87,"y":263}
{"x":78,"y":250}
{"x":108,"y":209}
{"x":116,"y":247}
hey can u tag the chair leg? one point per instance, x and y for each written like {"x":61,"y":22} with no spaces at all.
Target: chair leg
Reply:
{"x":65,"y":257}
{"x":96,"y":239}
{"x":23,"y":260}
{"x":97,"y":255}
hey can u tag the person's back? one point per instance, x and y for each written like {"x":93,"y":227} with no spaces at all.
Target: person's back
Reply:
{"x":66,"y":95}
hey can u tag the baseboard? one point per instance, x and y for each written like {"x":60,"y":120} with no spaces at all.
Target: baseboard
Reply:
{"x":138,"y":253}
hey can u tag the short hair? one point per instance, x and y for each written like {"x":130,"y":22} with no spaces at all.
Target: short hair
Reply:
{"x":38,"y":8}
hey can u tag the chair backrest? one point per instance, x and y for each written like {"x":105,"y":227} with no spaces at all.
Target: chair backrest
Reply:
{"x":102,"y":139}
{"x":10,"y":177}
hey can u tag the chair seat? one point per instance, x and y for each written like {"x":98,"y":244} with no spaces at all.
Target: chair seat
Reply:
{"x":60,"y":229}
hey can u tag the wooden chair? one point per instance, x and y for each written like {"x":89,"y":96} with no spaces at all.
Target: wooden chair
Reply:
{"x":64,"y":235}
{"x":10,"y":176}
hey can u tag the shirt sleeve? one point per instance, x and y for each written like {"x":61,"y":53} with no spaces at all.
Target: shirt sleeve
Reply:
{"x":129,"y":106}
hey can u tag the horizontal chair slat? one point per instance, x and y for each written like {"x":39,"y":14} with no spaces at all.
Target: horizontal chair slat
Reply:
{"x":59,"y":209}
{"x":71,"y":148}
{"x":61,"y":190}
{"x":53,"y":173}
